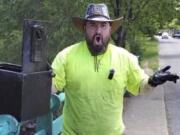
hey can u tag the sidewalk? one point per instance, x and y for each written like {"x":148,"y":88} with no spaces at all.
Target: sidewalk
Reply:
{"x":145,"y":114}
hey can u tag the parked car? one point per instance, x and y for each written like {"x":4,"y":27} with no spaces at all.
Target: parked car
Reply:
{"x":165,"y":35}
{"x":159,"y":33}
{"x":176,"y":34}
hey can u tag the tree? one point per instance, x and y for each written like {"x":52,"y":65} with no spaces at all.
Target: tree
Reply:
{"x":139,"y":16}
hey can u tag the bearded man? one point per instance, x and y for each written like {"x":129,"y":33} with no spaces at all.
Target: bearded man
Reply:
{"x":94,"y":75}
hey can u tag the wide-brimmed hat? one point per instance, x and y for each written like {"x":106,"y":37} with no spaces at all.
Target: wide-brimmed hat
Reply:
{"x":97,"y":12}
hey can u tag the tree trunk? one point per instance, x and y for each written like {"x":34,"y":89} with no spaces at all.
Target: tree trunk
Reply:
{"x":119,"y":37}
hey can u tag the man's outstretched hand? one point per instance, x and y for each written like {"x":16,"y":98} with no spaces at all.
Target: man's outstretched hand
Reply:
{"x":162,"y":76}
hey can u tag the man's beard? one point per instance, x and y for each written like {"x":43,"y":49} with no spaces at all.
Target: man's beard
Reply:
{"x":97,"y":49}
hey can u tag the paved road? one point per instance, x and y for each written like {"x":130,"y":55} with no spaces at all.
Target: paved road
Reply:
{"x":169,"y":52}
{"x":158,"y":111}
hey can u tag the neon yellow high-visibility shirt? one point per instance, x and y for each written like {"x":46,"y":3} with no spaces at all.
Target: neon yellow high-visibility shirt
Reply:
{"x":94,"y":103}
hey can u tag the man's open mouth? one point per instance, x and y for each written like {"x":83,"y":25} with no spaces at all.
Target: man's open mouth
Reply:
{"x":98,"y":39}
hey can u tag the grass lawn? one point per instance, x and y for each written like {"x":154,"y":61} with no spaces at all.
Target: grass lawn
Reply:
{"x":149,"y":58}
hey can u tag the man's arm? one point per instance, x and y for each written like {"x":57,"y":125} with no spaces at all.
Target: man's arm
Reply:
{"x":159,"y":77}
{"x":53,"y":89}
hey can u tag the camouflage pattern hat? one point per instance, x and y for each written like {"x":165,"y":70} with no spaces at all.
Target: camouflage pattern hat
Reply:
{"x":97,"y":12}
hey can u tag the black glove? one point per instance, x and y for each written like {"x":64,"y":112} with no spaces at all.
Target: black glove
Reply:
{"x":162,"y":76}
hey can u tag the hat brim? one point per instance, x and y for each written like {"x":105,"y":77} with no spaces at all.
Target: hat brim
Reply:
{"x":79,"y":22}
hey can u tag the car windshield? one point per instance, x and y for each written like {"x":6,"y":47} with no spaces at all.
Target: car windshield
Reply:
{"x":164,"y":33}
